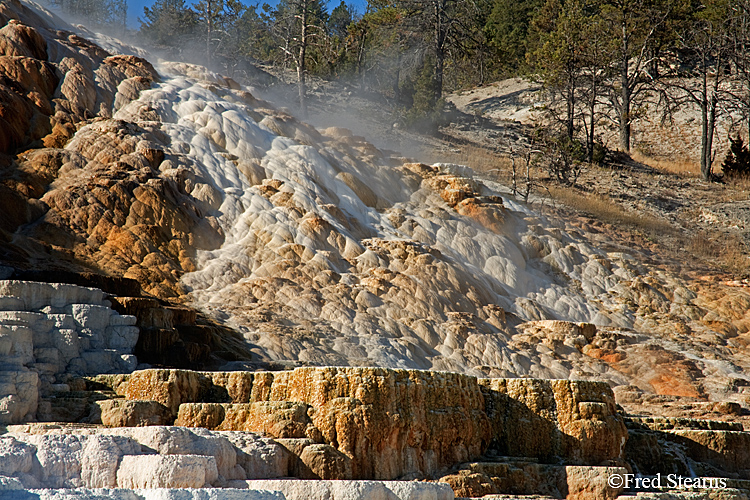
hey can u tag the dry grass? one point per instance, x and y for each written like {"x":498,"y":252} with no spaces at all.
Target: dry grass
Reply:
{"x":683,"y":168}
{"x":714,"y":248}
{"x":724,"y":250}
{"x":737,"y":188}
{"x":605,"y":210}
{"x":482,"y":160}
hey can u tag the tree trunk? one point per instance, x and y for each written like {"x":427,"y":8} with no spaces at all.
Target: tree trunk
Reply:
{"x":361,"y":63}
{"x":209,"y":34}
{"x":439,"y":65}
{"x":439,"y":48}
{"x":705,"y":166}
{"x":301,"y":66}
{"x":625,"y":92}
{"x":592,"y":111}
{"x":397,"y":79}
{"x":571,"y":108}
{"x":625,"y":109}
{"x":710,"y":139}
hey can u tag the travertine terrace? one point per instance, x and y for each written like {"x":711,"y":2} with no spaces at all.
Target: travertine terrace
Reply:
{"x":336,"y":312}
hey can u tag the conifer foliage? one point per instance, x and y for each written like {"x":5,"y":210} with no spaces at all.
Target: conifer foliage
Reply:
{"x":737,"y":162}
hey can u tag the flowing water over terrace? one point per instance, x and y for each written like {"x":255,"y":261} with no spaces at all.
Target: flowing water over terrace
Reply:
{"x":336,"y":254}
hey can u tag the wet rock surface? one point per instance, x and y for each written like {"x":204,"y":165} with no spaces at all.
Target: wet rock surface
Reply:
{"x":319,"y":249}
{"x":184,"y":221}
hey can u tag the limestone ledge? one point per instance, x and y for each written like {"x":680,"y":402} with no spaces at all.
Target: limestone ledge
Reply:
{"x":142,"y":494}
{"x":576,"y":420}
{"x":375,"y":423}
{"x":528,"y":478}
{"x":51,"y":331}
{"x":144,"y":463}
{"x":42,"y":456}
{"x":252,"y":490}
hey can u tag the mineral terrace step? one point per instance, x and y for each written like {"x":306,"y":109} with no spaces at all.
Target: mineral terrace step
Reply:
{"x":285,"y":489}
{"x":672,"y":423}
{"x":529,"y":478}
{"x":70,"y":406}
{"x":300,"y":489}
{"x":143,"y":494}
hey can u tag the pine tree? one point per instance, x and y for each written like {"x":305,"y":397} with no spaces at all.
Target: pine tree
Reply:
{"x":737,"y":161}
{"x":210,"y":16}
{"x":338,"y":23}
{"x":168,"y":25}
{"x":507,"y":29}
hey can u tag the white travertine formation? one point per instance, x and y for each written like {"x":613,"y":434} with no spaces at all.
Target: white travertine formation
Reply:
{"x":136,"y":457}
{"x":50,"y":329}
{"x":154,"y":462}
{"x":166,"y":471}
{"x":331,"y":254}
{"x":353,"y":490}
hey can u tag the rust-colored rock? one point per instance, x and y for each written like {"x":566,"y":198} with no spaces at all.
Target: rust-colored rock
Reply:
{"x":393,"y":423}
{"x":122,"y":413}
{"x":168,"y":387}
{"x":17,"y":39}
{"x":323,"y":461}
{"x":574,"y":420}
{"x":530,"y":478}
{"x":489,"y":212}
{"x":389,"y":423}
{"x":278,"y":419}
{"x":206,"y":415}
{"x":466,"y":483}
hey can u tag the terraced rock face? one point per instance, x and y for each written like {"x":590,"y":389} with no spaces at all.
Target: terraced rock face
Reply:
{"x":373,"y":423}
{"x":49,"y":333}
{"x":319,"y":423}
{"x":319,"y":248}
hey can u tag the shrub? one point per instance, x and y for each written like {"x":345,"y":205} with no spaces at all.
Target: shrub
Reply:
{"x":737,"y":161}
{"x":421,"y":110}
{"x":561,"y":156}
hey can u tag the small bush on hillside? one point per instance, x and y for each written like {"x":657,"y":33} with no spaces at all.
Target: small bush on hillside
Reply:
{"x":562,"y":157}
{"x":599,"y":154}
{"x":737,"y":161}
{"x":420,"y":109}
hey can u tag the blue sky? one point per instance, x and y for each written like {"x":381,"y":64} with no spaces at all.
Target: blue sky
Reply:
{"x":135,"y":7}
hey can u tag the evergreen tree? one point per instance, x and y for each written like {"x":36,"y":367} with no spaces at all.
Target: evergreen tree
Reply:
{"x":631,"y":27}
{"x":443,"y":26}
{"x":699,"y":82}
{"x":231,"y":36}
{"x":168,"y":25}
{"x":210,"y":14}
{"x":737,"y":161}
{"x":507,"y":30}
{"x":338,"y":23}
{"x":299,"y":26}
{"x":97,"y":14}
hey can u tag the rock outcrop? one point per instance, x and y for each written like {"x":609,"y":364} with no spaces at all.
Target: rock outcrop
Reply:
{"x":520,"y":477}
{"x":314,"y":245}
{"x":51,"y":333}
{"x":157,"y":458}
{"x":370,"y":423}
{"x":352,"y":490}
{"x":307,"y":247}
{"x":688,"y":447}
{"x":373,"y":423}
{"x":550,"y":419}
